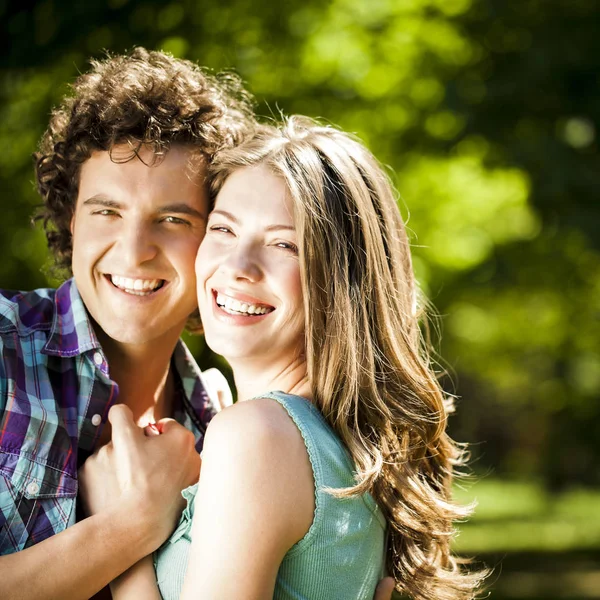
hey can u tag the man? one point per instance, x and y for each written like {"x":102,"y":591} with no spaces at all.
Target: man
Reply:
{"x":126,"y":216}
{"x":121,"y":172}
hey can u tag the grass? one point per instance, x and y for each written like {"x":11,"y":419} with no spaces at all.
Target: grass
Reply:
{"x":523,"y":517}
{"x":539,"y":545}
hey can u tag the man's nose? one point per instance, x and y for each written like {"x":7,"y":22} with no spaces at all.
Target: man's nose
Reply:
{"x":137,"y":244}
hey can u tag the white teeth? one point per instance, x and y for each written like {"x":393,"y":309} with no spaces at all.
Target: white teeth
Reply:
{"x":137,"y":287}
{"x":233,"y":306}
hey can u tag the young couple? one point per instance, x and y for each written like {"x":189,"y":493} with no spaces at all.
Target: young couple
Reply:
{"x":162,"y":195}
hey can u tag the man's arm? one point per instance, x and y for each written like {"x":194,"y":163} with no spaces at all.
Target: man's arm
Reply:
{"x":135,"y":507}
{"x":81,"y":560}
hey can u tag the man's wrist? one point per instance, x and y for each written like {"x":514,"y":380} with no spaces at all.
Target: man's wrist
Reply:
{"x":138,"y":521}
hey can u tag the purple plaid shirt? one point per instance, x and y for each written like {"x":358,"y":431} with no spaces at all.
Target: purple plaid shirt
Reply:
{"x":55,"y":393}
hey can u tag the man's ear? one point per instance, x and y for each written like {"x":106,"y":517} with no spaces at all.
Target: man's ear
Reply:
{"x":73,"y":218}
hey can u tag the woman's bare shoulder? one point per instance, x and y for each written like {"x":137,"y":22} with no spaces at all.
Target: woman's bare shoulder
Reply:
{"x":254,"y":448}
{"x":261,"y":423}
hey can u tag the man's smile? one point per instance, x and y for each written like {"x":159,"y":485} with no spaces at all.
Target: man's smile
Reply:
{"x":137,"y":287}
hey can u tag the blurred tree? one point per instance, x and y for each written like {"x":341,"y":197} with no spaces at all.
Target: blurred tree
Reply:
{"x":487,"y":113}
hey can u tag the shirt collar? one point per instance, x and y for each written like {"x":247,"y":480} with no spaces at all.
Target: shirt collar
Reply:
{"x":72,"y":332}
{"x":196,"y":394}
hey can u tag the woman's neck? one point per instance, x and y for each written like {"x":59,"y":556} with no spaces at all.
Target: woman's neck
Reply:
{"x":252,"y":379}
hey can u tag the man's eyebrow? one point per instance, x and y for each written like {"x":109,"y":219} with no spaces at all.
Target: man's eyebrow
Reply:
{"x":234,"y":219}
{"x":102,"y":201}
{"x":180,"y":208}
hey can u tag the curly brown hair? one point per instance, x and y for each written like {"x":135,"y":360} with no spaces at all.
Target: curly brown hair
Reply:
{"x":144,"y":97}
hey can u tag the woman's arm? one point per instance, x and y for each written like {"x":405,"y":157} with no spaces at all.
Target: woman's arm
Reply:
{"x":137,"y":582}
{"x":255,"y":500}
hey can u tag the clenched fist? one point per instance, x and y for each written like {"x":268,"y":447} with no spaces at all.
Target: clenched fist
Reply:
{"x":147,"y":472}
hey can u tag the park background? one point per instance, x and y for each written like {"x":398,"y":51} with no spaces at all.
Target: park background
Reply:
{"x":487,"y":111}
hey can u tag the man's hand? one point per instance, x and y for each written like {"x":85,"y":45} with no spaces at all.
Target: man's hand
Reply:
{"x":131,"y":488}
{"x":384,"y":589}
{"x":147,"y":471}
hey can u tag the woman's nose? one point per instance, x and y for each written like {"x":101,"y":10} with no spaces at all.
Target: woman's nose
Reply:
{"x":243,"y":262}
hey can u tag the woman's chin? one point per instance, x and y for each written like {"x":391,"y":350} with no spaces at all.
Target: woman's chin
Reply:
{"x":232,"y":350}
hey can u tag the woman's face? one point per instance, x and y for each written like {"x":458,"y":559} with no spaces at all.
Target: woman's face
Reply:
{"x":248,"y":271}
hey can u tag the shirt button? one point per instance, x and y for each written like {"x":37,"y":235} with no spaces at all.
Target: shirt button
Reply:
{"x":33,"y":488}
{"x":96,"y":420}
{"x":98,"y":358}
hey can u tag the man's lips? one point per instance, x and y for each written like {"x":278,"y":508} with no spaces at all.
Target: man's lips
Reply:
{"x":135,"y":286}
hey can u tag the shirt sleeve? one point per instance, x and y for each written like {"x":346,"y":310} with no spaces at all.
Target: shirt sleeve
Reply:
{"x":217,"y":388}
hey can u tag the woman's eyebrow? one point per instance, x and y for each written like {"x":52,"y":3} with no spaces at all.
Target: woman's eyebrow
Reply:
{"x":226,"y":214}
{"x":234,"y":219}
{"x":280,"y":227}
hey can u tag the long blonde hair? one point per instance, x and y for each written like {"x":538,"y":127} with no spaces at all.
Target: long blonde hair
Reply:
{"x":367,"y":363}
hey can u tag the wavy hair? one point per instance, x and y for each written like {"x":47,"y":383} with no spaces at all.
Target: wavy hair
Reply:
{"x":142,"y":98}
{"x":367,"y":361}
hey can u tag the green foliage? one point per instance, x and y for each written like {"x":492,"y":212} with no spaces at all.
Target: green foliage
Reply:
{"x":487,"y":113}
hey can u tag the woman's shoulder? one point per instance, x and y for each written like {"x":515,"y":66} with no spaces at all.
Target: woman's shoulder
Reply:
{"x":255,"y":449}
{"x":261,"y":420}
{"x":257,"y":434}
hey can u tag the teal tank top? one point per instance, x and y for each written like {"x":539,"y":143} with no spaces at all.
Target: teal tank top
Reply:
{"x":341,"y":557}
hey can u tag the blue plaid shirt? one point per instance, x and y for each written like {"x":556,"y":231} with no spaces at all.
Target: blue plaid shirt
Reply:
{"x":55,"y":393}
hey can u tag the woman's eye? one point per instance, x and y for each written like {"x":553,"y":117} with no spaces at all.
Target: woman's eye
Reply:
{"x":287,"y":246}
{"x":220,"y":229}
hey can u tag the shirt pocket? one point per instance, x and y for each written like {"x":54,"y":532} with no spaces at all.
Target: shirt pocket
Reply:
{"x":36,"y":501}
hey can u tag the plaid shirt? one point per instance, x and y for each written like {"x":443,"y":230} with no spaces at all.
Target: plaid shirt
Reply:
{"x":55,"y":393}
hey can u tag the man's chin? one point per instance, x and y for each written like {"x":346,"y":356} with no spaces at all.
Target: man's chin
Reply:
{"x":135,"y":334}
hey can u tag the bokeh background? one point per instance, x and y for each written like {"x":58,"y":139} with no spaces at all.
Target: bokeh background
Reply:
{"x":488,"y":112}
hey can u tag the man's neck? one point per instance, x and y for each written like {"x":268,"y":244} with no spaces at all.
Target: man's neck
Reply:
{"x":143,"y":374}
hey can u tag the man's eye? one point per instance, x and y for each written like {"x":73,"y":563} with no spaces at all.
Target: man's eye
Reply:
{"x":106,"y":212}
{"x":176,"y":221}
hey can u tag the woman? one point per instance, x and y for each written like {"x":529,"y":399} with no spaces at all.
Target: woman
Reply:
{"x":334,"y":464}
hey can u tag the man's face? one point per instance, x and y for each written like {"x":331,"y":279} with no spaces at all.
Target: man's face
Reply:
{"x":136,"y":231}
